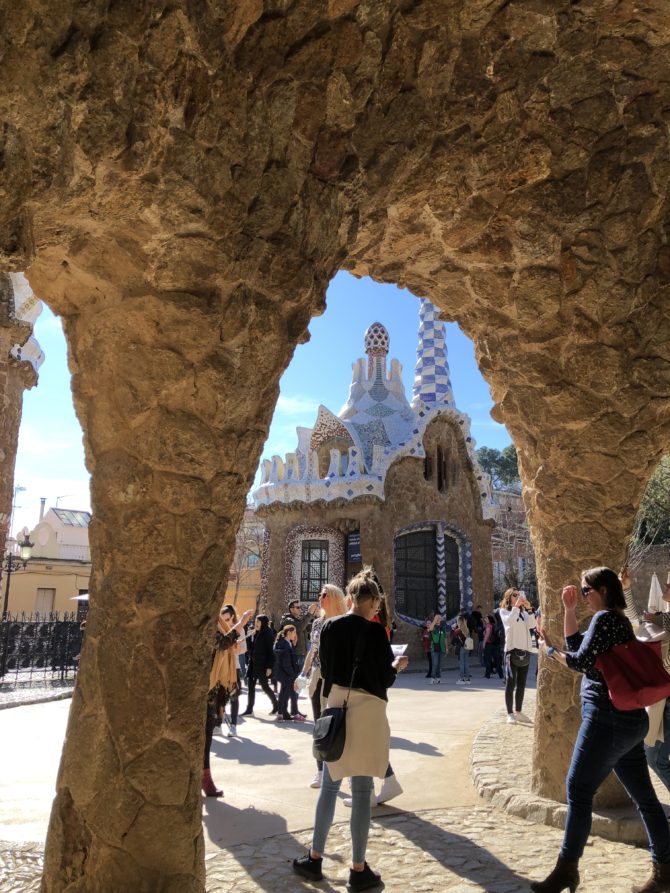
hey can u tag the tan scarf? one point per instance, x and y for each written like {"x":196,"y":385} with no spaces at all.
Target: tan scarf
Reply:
{"x":224,"y":665}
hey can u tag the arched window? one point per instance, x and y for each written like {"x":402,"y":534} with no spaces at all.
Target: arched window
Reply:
{"x":428,"y":468}
{"x":441,"y":470}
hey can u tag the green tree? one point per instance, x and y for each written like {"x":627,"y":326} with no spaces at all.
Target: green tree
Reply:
{"x":652,"y":524}
{"x":503,"y":466}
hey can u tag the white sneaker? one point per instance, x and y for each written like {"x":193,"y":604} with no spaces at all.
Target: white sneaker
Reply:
{"x":316,"y":781}
{"x":348,"y":801}
{"x":391,"y":788}
{"x":232,"y":731}
{"x":460,"y":682}
{"x":521,"y":717}
{"x":468,"y":681}
{"x":510,"y":718}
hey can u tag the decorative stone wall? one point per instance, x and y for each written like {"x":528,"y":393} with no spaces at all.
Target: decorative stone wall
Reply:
{"x":183,"y":180}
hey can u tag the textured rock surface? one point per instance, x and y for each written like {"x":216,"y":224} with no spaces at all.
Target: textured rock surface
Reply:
{"x":15,"y":377}
{"x":184,"y":179}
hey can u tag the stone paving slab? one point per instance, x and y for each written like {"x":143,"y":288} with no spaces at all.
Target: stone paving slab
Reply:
{"x":510,"y":789}
{"x":460,"y":850}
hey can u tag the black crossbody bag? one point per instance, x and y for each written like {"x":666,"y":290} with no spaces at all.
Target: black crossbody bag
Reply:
{"x":330,"y":729}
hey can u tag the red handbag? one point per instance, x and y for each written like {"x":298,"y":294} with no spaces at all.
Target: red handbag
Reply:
{"x":634,"y":674}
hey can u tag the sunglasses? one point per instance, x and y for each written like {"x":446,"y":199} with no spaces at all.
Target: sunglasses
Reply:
{"x":586,"y":590}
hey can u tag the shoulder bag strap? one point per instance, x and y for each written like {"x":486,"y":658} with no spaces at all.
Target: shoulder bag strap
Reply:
{"x":358,"y":654}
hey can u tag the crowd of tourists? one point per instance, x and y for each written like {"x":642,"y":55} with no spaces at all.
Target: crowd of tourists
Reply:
{"x":339,"y":653}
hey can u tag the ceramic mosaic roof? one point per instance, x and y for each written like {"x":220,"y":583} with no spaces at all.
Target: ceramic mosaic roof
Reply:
{"x":377,"y":422}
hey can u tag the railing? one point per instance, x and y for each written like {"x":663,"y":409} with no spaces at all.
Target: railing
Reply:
{"x":39,"y":648}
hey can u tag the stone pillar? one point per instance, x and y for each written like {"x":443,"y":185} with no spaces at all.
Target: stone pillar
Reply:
{"x":15,"y":377}
{"x":582,"y":512}
{"x":175,"y":396}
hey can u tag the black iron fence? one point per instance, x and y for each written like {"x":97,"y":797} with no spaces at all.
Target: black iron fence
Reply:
{"x":36,"y":649}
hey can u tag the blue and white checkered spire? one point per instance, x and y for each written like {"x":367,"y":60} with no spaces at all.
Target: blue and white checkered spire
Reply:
{"x":432,"y":384}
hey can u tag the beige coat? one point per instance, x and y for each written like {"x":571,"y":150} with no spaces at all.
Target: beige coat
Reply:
{"x":368,"y":739}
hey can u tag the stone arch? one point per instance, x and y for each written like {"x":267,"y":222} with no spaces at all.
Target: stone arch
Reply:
{"x":184,"y":211}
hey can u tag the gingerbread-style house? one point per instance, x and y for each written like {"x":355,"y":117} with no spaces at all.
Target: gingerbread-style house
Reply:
{"x":383,"y":482}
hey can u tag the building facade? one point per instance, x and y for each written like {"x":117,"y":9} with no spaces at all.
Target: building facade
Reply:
{"x":60,"y":568}
{"x":512,"y":550}
{"x":244,"y":577}
{"x":384,"y":482}
{"x":20,"y":359}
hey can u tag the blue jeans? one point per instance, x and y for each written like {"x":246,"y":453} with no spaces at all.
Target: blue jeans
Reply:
{"x":359,"y":826}
{"x":437,"y":665}
{"x":658,"y":756}
{"x":611,"y":740}
{"x":463,"y":663}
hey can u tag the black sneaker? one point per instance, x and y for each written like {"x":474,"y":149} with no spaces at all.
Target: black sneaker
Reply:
{"x":364,"y":880}
{"x":309,"y":868}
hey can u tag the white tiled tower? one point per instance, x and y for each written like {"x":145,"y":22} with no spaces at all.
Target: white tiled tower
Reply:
{"x":432,"y":384}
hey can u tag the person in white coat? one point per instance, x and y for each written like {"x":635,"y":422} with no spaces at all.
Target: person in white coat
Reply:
{"x":518,"y":620}
{"x":657,"y":741}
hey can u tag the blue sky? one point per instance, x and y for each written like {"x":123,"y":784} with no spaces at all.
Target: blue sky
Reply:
{"x":50,"y":460}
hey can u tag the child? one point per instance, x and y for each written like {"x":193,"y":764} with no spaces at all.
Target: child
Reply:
{"x":286,"y":671}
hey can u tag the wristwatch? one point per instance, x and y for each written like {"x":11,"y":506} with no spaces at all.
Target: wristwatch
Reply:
{"x":550,"y":651}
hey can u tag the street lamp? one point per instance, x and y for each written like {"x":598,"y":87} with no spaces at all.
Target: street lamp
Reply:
{"x":12,"y":562}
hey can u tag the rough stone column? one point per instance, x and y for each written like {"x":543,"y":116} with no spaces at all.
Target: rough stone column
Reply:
{"x":175,"y":393}
{"x":15,"y":378}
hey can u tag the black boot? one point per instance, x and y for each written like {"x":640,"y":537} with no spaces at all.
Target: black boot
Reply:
{"x":564,"y":875}
{"x":658,"y":882}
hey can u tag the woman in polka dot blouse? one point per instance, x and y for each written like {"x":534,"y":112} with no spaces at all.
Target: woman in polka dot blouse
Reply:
{"x":608,"y":739}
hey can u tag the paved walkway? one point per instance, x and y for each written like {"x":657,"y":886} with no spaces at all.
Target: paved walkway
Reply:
{"x":19,"y":694}
{"x":438,"y":835}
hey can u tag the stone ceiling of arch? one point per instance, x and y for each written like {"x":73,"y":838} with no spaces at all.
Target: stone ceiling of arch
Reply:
{"x":510,"y":161}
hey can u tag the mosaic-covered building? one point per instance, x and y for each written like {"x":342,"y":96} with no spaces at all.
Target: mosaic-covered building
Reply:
{"x":384,"y":482}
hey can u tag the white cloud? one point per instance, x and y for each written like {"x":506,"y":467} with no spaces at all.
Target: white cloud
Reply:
{"x":33,"y":442}
{"x":296,"y":405}
{"x":486,"y":424}
{"x":472,"y":407}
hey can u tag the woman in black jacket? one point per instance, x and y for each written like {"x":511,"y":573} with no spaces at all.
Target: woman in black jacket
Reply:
{"x":356,"y":653}
{"x":286,"y":670}
{"x":261,"y":662}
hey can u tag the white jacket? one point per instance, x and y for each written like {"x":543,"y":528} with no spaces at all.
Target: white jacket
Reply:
{"x":518,"y":624}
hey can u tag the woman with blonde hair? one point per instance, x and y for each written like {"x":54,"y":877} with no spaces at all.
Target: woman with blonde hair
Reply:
{"x":518,"y":619}
{"x":333,"y":604}
{"x":354,"y":652}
